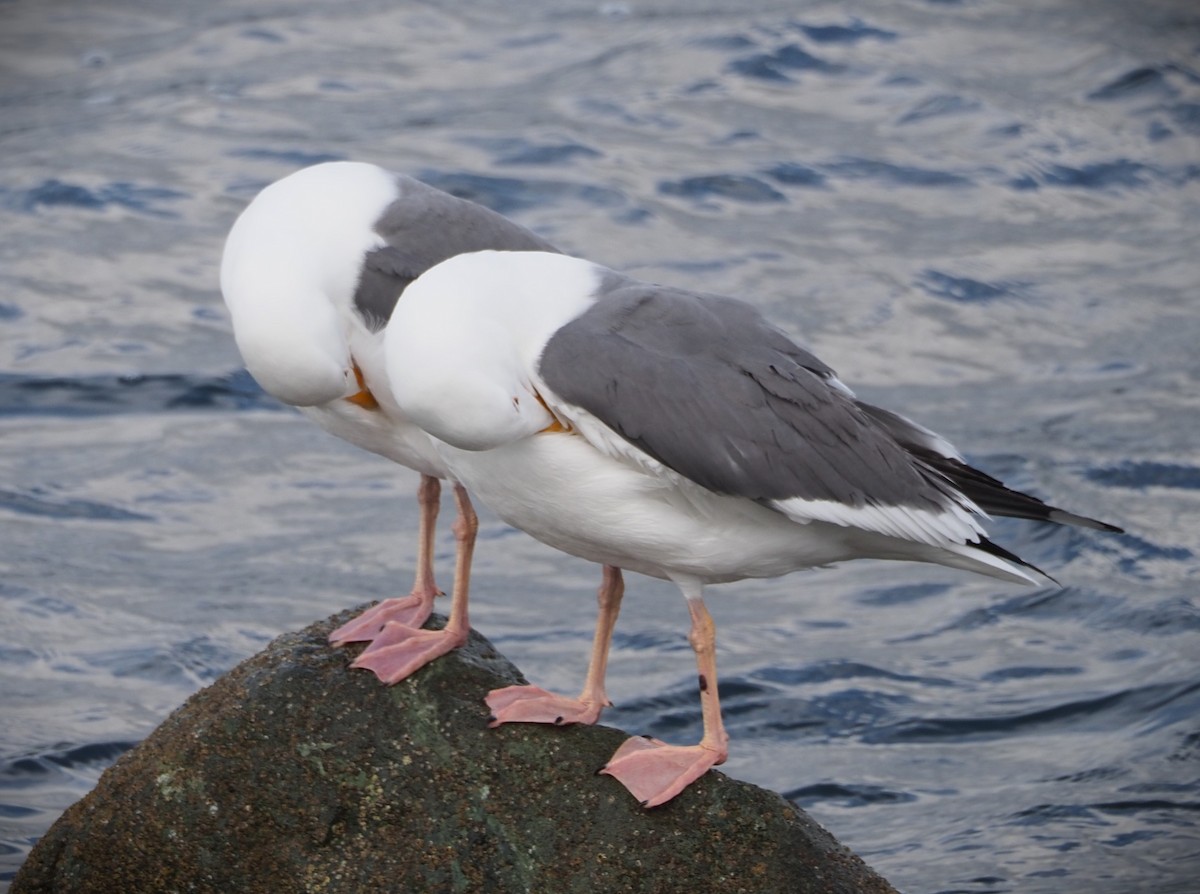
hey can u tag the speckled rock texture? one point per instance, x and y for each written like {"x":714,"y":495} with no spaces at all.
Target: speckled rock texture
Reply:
{"x":293,"y":773}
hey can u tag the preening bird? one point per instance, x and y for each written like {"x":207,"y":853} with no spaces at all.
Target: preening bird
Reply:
{"x":311,"y":271}
{"x":675,"y":434}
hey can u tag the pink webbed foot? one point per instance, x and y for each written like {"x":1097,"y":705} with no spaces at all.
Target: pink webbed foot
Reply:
{"x":655,"y":772}
{"x":411,"y":611}
{"x":530,"y":704}
{"x":399,"y":651}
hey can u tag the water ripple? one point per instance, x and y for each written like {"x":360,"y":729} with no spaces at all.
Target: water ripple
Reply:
{"x":840,"y":669}
{"x":848,"y":795}
{"x":1139,"y":82}
{"x":964,"y":289}
{"x":61,"y":757}
{"x":1138,"y":806}
{"x":54,"y":193}
{"x":1186,"y":115}
{"x":737,"y":187}
{"x":518,"y":151}
{"x":107,"y":395}
{"x":1110,"y":711}
{"x":901,"y":594}
{"x":37,"y":502}
{"x":730,"y":42}
{"x":792,"y":174}
{"x":1121,"y":173}
{"x":510,"y":195}
{"x":854,"y":32}
{"x":892,"y":174}
{"x":938,"y":107}
{"x":778,"y":66}
{"x":1141,"y":475}
{"x":292,"y":157}
{"x":1022,"y":672}
{"x":1054,"y":814}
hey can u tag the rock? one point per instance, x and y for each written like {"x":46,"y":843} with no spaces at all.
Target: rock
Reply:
{"x":294,"y":773}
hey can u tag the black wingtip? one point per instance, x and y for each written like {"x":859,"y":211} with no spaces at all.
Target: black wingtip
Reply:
{"x":996,"y":498}
{"x":1062,"y":517}
{"x":993,"y":548}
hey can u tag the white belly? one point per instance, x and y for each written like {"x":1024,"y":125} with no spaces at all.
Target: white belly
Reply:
{"x":562,"y":491}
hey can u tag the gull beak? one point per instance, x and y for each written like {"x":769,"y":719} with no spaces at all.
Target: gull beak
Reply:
{"x":363,"y":397}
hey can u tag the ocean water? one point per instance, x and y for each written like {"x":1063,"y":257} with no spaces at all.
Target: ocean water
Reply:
{"x":984,"y":215}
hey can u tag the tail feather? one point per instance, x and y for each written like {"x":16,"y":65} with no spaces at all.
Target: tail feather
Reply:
{"x":993,"y":497}
{"x":988,"y":493}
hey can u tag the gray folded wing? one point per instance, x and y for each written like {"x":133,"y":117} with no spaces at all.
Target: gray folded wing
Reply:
{"x":423,"y":227}
{"x":710,"y":389}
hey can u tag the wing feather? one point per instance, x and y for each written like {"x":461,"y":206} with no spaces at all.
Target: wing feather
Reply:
{"x":706,"y":387}
{"x":711,"y":390}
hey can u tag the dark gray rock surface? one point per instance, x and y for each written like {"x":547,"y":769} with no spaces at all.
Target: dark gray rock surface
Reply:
{"x":293,"y":773}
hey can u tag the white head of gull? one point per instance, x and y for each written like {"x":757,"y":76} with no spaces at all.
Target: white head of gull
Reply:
{"x":311,"y":271}
{"x":676,"y":434}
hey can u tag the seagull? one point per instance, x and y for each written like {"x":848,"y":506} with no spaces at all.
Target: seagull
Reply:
{"x":310,"y":273}
{"x":679,"y":435}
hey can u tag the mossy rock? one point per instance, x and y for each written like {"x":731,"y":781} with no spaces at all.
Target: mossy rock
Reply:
{"x":293,"y":773}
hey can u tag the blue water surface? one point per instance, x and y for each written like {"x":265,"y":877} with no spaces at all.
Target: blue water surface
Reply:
{"x":983,"y":215}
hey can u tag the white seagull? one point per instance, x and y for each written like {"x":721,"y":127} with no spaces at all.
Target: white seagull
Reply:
{"x":311,"y":271}
{"x":679,"y":435}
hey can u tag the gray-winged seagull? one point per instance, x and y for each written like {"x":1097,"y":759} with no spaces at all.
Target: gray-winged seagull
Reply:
{"x":311,"y":271}
{"x":675,"y":434}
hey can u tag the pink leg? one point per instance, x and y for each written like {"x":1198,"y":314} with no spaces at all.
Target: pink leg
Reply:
{"x":414,"y":609}
{"x":529,"y":704}
{"x":399,"y":650}
{"x":655,"y":772}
